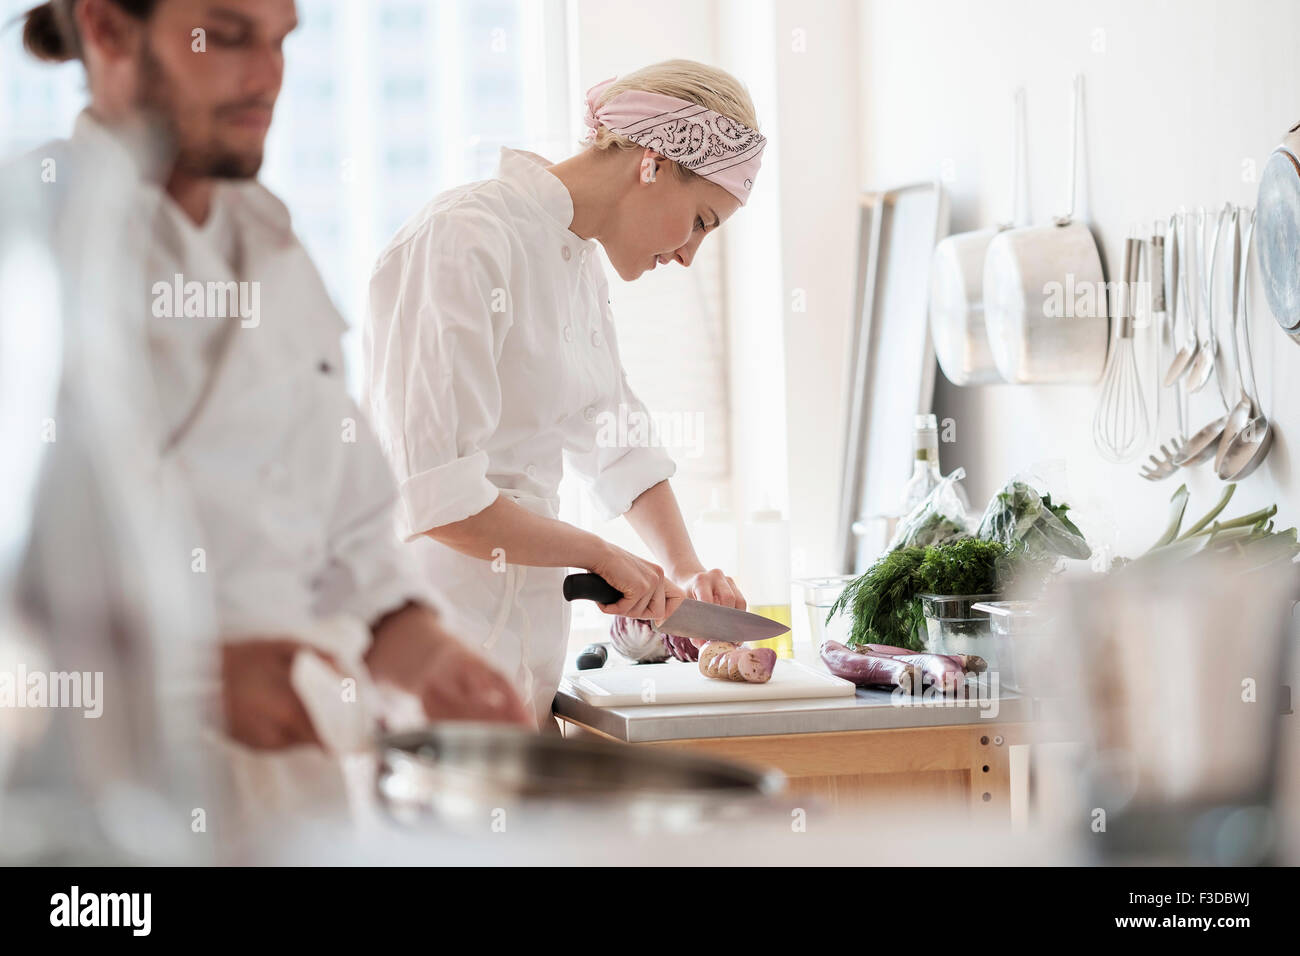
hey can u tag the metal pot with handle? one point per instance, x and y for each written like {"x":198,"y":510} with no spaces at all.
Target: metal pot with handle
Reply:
{"x":1045,"y":296}
{"x":1277,"y":232}
{"x":459,"y":774}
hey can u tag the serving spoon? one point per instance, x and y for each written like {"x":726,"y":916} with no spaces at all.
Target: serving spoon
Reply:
{"x":1244,"y":410}
{"x":1251,"y":445}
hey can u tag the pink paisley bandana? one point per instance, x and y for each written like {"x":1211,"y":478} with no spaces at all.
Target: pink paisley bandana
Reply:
{"x":707,"y":143}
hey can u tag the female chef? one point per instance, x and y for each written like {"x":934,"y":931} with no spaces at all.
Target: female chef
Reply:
{"x":491,"y":361}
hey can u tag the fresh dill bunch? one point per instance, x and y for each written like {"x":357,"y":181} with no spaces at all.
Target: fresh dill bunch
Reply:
{"x":885,"y":601}
{"x":968,"y":566}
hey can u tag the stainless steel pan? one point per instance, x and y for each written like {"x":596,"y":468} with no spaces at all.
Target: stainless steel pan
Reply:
{"x":460,"y":774}
{"x":1044,"y":296}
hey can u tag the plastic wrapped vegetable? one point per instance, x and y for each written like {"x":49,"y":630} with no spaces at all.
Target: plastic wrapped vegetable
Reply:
{"x":637,"y":640}
{"x":942,"y":516}
{"x":1029,"y":523}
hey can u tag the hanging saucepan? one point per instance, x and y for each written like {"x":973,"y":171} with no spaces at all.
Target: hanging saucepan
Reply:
{"x":1277,"y":232}
{"x":1045,"y":296}
{"x":961,"y":341}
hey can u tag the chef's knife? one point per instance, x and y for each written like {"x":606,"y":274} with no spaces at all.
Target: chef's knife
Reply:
{"x":697,"y":619}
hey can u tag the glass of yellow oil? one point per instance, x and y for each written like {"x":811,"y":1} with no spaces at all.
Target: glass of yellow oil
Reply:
{"x":783,"y":644}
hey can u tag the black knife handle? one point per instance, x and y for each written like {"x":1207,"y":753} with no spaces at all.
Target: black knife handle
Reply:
{"x":592,"y":657}
{"x":590,"y":587}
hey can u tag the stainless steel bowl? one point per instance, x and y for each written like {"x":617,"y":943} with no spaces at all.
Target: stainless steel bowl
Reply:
{"x":468,"y":774}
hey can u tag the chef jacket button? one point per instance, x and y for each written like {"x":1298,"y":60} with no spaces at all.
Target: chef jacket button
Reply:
{"x":597,"y":339}
{"x":582,"y":256}
{"x":568,"y":333}
{"x":589,"y":413}
{"x":566,"y":252}
{"x":532,"y":471}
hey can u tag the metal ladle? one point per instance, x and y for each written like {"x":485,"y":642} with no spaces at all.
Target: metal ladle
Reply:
{"x":1251,"y":445}
{"x":1243,"y":411}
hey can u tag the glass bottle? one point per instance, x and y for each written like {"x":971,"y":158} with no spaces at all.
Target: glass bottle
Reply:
{"x":925,"y":466}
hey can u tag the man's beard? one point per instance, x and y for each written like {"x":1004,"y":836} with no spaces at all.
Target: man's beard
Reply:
{"x":207,"y":161}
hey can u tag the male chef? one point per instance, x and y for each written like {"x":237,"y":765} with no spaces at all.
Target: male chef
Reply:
{"x":291,"y":494}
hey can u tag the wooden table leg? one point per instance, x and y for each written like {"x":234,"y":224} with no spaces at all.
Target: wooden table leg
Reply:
{"x":990,"y":775}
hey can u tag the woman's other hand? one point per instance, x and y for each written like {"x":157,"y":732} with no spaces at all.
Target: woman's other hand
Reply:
{"x":713,"y":587}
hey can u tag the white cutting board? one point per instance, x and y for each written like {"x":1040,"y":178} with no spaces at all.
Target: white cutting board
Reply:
{"x":677,"y":682}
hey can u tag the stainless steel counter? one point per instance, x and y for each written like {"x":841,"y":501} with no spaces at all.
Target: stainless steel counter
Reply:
{"x":867,"y":710}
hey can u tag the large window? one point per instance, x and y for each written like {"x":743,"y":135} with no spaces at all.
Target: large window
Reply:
{"x":385,"y":104}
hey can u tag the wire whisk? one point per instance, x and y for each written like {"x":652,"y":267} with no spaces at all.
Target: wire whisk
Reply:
{"x":1121,"y":426}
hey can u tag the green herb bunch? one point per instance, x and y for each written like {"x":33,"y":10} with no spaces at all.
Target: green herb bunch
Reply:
{"x":885,"y":601}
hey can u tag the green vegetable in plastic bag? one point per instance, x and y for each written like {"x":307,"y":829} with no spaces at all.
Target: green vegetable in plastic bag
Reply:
{"x":940,"y":518}
{"x":1022,"y":519}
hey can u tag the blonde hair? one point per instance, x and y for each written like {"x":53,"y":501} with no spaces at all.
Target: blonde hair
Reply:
{"x":688,"y":80}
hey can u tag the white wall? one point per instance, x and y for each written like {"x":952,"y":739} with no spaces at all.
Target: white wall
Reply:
{"x":1184,"y":100}
{"x":616,"y":37}
{"x":817,"y":57}
{"x":753,"y":243}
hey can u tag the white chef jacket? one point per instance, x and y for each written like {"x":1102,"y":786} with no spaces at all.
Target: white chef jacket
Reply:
{"x":294,"y":495}
{"x":106,"y":571}
{"x":293,"y":498}
{"x":491,"y":362}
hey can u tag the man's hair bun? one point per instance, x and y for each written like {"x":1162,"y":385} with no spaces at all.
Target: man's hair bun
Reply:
{"x":44,"y":36}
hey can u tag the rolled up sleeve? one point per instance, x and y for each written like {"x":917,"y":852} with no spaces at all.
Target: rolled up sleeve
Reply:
{"x":621,"y":482}
{"x":446,"y":493}
{"x":433,"y":389}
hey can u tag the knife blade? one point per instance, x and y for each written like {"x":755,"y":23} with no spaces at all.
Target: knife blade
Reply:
{"x":697,"y":619}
